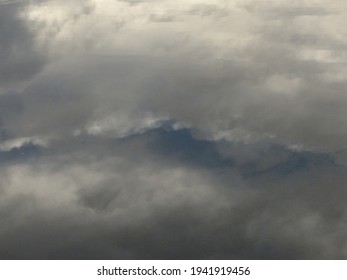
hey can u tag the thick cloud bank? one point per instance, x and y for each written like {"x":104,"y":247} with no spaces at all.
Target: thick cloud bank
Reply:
{"x":173,"y":129}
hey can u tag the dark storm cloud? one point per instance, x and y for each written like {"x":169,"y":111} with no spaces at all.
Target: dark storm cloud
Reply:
{"x":24,"y":152}
{"x":163,"y":130}
{"x":113,"y":206}
{"x":19,"y":58}
{"x":275,"y":85}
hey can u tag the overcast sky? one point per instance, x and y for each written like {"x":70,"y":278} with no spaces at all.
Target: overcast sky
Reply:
{"x":162,"y":129}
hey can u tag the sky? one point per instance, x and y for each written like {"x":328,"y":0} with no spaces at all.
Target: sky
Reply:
{"x":186,"y":129}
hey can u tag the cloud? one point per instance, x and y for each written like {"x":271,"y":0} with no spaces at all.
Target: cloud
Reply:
{"x":243,"y":76}
{"x":161,"y":129}
{"x":119,"y":200}
{"x":20,"y":60}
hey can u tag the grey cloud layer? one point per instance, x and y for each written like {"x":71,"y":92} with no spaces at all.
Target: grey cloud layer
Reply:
{"x":240,"y":75}
{"x":172,"y":129}
{"x":129,"y":201}
{"x":19,"y":60}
